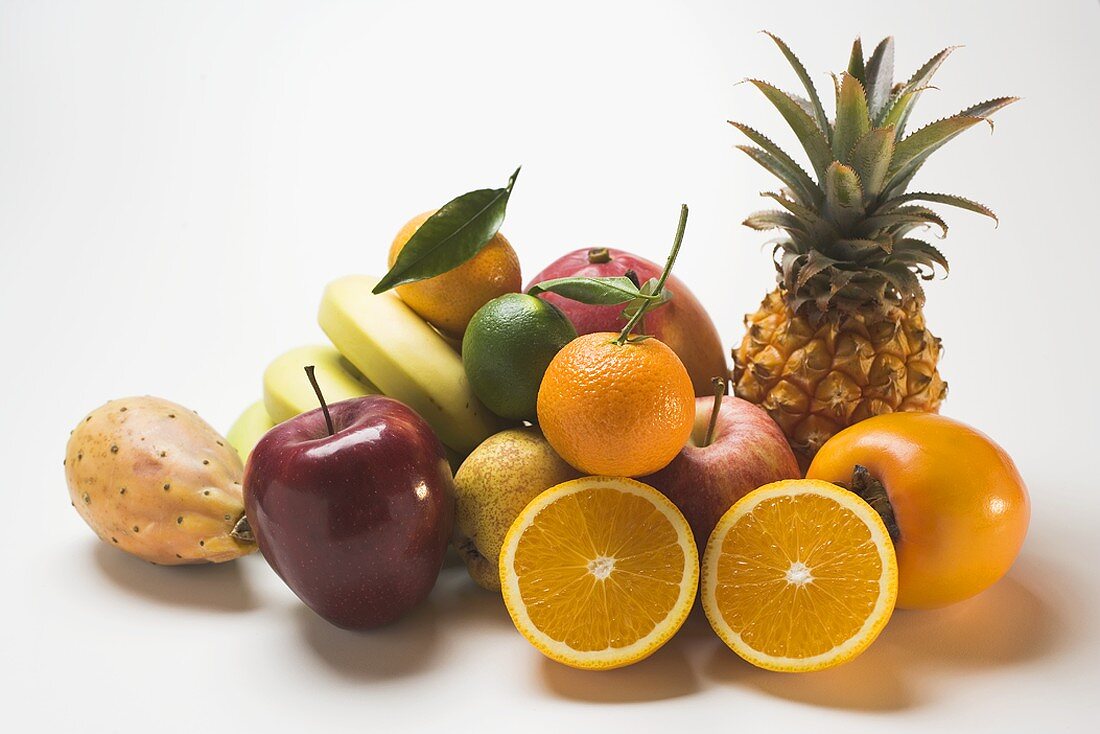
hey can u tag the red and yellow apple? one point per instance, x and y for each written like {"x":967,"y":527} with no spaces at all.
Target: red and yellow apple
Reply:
{"x":746,"y":450}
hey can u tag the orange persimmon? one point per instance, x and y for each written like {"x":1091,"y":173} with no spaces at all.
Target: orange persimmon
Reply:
{"x":956,"y":507}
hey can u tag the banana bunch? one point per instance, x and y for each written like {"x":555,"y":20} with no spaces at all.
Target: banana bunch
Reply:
{"x":380,"y":346}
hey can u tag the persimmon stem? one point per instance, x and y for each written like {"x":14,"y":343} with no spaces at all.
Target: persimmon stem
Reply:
{"x":320,"y":398}
{"x":645,"y":304}
{"x":871,"y":491}
{"x":719,"y":393}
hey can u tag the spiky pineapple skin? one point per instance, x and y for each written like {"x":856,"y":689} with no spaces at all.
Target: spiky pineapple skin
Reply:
{"x":815,"y":380}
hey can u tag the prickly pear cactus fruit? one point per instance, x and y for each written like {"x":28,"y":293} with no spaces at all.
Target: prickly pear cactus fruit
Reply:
{"x":152,"y":478}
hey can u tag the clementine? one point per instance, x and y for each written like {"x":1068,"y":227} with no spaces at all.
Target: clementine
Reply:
{"x":448,"y":301}
{"x":616,"y":408}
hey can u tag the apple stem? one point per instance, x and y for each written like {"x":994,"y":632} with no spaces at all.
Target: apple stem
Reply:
{"x":624,"y":336}
{"x":320,"y":398}
{"x":719,"y":393}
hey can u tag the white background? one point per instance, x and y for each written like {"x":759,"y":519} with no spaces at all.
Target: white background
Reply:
{"x":178,"y":181}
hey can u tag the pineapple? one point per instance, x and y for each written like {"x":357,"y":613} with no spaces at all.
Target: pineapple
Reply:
{"x":842,"y":337}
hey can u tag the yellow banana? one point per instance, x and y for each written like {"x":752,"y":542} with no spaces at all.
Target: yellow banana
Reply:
{"x":406,"y":359}
{"x":287,"y":391}
{"x":247,"y":430}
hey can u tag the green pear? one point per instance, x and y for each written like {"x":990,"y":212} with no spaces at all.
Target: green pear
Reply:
{"x":493,"y":485}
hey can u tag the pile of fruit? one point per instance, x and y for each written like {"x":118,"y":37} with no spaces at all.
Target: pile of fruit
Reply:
{"x":574,"y":442}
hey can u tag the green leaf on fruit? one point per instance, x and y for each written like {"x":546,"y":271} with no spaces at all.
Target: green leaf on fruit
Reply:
{"x":648,"y":293}
{"x":450,"y":237}
{"x":593,"y":291}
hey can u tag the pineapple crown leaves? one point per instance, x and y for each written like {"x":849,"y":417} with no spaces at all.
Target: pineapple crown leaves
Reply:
{"x":847,"y":244}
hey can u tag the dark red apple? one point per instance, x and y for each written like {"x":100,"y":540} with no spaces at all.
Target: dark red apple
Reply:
{"x":682,"y":323}
{"x":356,"y":523}
{"x":747,"y":450}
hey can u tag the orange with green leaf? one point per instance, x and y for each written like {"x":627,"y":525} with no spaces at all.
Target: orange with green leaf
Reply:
{"x":617,"y":404}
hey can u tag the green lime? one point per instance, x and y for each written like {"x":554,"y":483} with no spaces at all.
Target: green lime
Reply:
{"x":506,"y":349}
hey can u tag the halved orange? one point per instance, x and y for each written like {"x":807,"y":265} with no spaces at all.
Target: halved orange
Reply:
{"x":599,"y":572}
{"x":799,"y":575}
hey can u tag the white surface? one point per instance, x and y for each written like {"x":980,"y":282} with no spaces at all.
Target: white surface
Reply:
{"x":178,"y":181}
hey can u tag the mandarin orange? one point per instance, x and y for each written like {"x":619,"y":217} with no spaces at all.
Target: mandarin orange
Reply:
{"x":448,"y":301}
{"x":616,"y":409}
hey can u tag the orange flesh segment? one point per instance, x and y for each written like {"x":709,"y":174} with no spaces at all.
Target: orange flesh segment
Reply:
{"x":599,"y":569}
{"x":798,"y":578}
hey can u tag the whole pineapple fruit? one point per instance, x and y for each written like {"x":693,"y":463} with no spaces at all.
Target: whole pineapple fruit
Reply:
{"x":843,"y":337}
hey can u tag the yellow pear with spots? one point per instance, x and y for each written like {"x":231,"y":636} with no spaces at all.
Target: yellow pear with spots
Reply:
{"x":493,"y":485}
